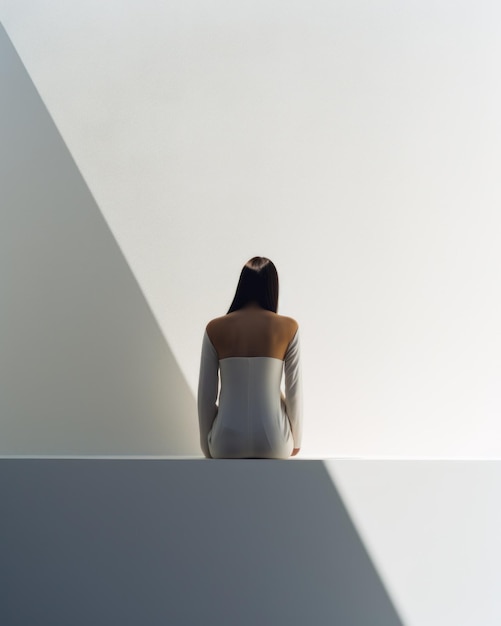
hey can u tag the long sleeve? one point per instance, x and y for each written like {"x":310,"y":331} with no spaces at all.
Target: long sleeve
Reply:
{"x":208,"y":384}
{"x":293,"y":389}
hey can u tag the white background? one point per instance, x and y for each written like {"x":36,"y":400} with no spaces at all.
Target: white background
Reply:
{"x":357,"y":144}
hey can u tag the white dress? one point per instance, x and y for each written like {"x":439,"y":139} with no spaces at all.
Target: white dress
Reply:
{"x":250,"y":418}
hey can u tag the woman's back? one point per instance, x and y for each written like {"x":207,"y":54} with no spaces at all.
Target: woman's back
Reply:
{"x":252,"y":331}
{"x":251,"y":348}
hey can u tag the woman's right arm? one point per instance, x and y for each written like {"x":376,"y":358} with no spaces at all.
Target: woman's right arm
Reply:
{"x":208,"y":383}
{"x":293,"y":391}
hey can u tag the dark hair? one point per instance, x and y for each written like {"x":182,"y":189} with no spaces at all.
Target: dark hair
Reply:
{"x":258,"y":282}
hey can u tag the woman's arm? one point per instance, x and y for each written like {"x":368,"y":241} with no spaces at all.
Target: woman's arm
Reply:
{"x":208,"y":383}
{"x":293,"y":391}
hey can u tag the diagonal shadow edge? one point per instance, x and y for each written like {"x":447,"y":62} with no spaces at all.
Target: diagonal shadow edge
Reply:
{"x":81,"y":333}
{"x":106,"y":223}
{"x":241,"y":541}
{"x":344,"y":513}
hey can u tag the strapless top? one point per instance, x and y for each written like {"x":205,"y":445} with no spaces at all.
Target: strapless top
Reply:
{"x":242,"y":412}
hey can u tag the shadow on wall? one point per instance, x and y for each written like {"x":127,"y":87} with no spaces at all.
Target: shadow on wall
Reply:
{"x":84,"y":367}
{"x":183,"y":542}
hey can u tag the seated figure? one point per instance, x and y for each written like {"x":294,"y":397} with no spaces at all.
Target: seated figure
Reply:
{"x":245,"y":356}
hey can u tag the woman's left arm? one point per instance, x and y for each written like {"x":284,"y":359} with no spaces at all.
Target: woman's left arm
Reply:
{"x":208,"y":383}
{"x":293,"y":391}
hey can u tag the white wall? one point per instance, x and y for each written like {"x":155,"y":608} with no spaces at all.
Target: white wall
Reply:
{"x":84,"y":367}
{"x":431,"y":529}
{"x":354,"y":143}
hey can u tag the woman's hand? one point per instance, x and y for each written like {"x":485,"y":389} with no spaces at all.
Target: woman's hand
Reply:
{"x":295,"y":451}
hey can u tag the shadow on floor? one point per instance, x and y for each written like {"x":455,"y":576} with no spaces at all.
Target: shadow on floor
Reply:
{"x":182,"y":542}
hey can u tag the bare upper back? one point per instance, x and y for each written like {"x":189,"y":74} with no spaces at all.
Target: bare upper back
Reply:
{"x":251,"y":332}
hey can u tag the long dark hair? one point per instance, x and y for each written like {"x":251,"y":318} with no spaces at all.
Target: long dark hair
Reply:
{"x":258,"y":282}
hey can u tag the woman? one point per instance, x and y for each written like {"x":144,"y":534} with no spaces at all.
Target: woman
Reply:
{"x":251,"y":347}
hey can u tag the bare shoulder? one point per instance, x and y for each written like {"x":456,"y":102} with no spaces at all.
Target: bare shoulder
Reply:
{"x":215,"y":326}
{"x":289,"y":324}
